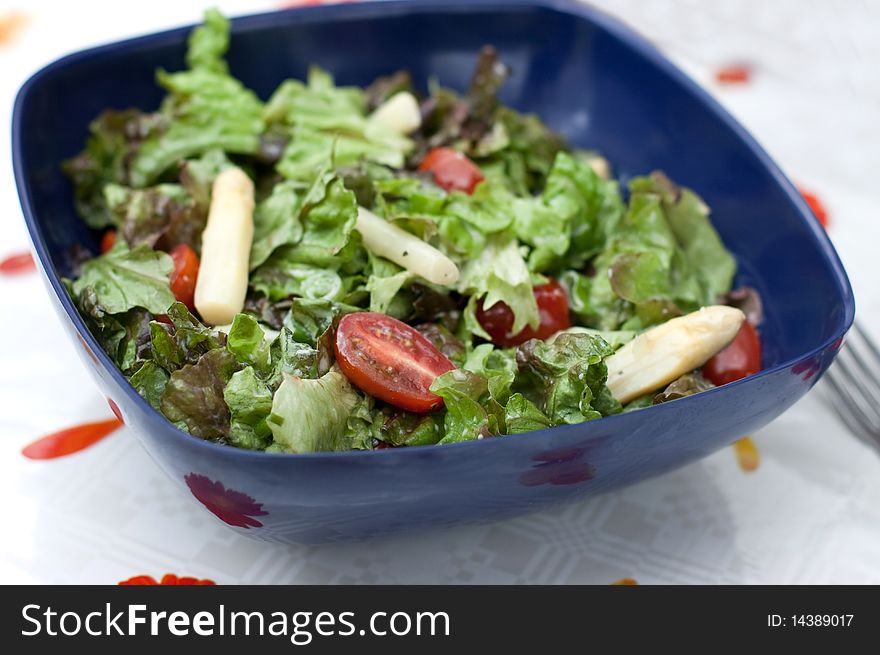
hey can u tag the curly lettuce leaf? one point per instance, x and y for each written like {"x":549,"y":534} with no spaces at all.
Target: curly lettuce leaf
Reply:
{"x":182,"y":342}
{"x":208,"y":44}
{"x":470,"y":414}
{"x":663,"y":259}
{"x":498,"y":366}
{"x":565,"y":379}
{"x":125,"y":337}
{"x":164,"y":213}
{"x":250,"y":402}
{"x":205,"y":108}
{"x":193,"y":397}
{"x":521,"y":415}
{"x":328,"y":125}
{"x":114,"y":137}
{"x":500,"y":274}
{"x":150,"y":381}
{"x":309,"y":247}
{"x":247,"y":341}
{"x":709,"y":261}
{"x":276,"y":222}
{"x":311,"y":416}
{"x":123,"y":279}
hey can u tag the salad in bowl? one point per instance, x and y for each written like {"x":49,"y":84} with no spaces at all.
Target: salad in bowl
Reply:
{"x":342,"y":268}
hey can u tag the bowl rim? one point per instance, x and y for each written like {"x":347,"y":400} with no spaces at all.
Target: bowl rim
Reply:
{"x":603,"y":21}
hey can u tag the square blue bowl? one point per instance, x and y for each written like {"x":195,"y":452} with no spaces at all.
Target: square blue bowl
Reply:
{"x":590,"y":78}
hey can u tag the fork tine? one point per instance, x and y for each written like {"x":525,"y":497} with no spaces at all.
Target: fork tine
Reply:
{"x":865,"y":356}
{"x":851,"y":413}
{"x":867,"y":341}
{"x":848,"y":382}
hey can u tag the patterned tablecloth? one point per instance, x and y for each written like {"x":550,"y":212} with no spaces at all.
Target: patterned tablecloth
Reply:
{"x":801,"y":76}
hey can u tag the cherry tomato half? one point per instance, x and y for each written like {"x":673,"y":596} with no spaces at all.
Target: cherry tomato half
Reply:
{"x":452,"y":170}
{"x":740,"y":359}
{"x":390,"y":360}
{"x":108,"y":240}
{"x":185,"y":274}
{"x":552,"y":307}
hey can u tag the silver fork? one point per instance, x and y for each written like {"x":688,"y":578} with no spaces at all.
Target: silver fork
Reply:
{"x":854,"y":379}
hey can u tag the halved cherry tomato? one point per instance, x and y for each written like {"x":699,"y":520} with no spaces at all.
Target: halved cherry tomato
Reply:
{"x":108,"y":240}
{"x":185,"y":274}
{"x":552,"y":307}
{"x":390,"y":360}
{"x":452,"y":170}
{"x":740,"y":359}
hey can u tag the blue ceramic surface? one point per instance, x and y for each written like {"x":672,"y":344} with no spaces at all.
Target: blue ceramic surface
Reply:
{"x":590,"y":78}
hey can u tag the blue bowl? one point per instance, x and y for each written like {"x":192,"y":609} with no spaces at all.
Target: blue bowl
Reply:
{"x":589,"y":77}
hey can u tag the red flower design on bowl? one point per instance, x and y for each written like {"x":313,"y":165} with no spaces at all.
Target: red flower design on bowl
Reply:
{"x":230,"y":506}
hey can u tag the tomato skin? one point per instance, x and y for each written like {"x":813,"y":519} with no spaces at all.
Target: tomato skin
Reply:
{"x":452,"y":170}
{"x":185,"y":274}
{"x":390,"y":360}
{"x":740,"y":359}
{"x":108,"y":240}
{"x":552,"y":307}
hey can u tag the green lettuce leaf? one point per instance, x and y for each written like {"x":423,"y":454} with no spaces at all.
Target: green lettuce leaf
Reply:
{"x":521,"y":415}
{"x":250,"y":403}
{"x":185,"y":341}
{"x":566,"y":379}
{"x":247,"y":341}
{"x":311,"y":415}
{"x":498,"y":366}
{"x":707,"y":258}
{"x":327,"y":216}
{"x":309,"y":320}
{"x":328,"y":125}
{"x":114,"y":137}
{"x":123,"y":279}
{"x":193,"y":397}
{"x":150,"y":381}
{"x":663,"y":259}
{"x":500,"y":274}
{"x":125,"y":337}
{"x":208,"y":44}
{"x":470,"y":414}
{"x":206,"y":109}
{"x":165,"y":213}
{"x":276,"y":222}
{"x":291,"y":357}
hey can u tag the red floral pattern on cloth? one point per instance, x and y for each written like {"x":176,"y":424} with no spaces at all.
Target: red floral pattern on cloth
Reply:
{"x":20,"y":262}
{"x":70,"y":440}
{"x":734,"y":74}
{"x":230,"y":506}
{"x":816,"y":205}
{"x":167,"y":579}
{"x":11,"y":25}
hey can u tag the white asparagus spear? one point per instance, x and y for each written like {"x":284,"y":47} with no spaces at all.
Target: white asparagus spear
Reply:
{"x":668,"y":351}
{"x":404,"y":249}
{"x":400,"y":113}
{"x":226,"y":246}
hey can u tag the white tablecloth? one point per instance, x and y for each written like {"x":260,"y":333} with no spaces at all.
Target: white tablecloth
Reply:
{"x":810,"y":513}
